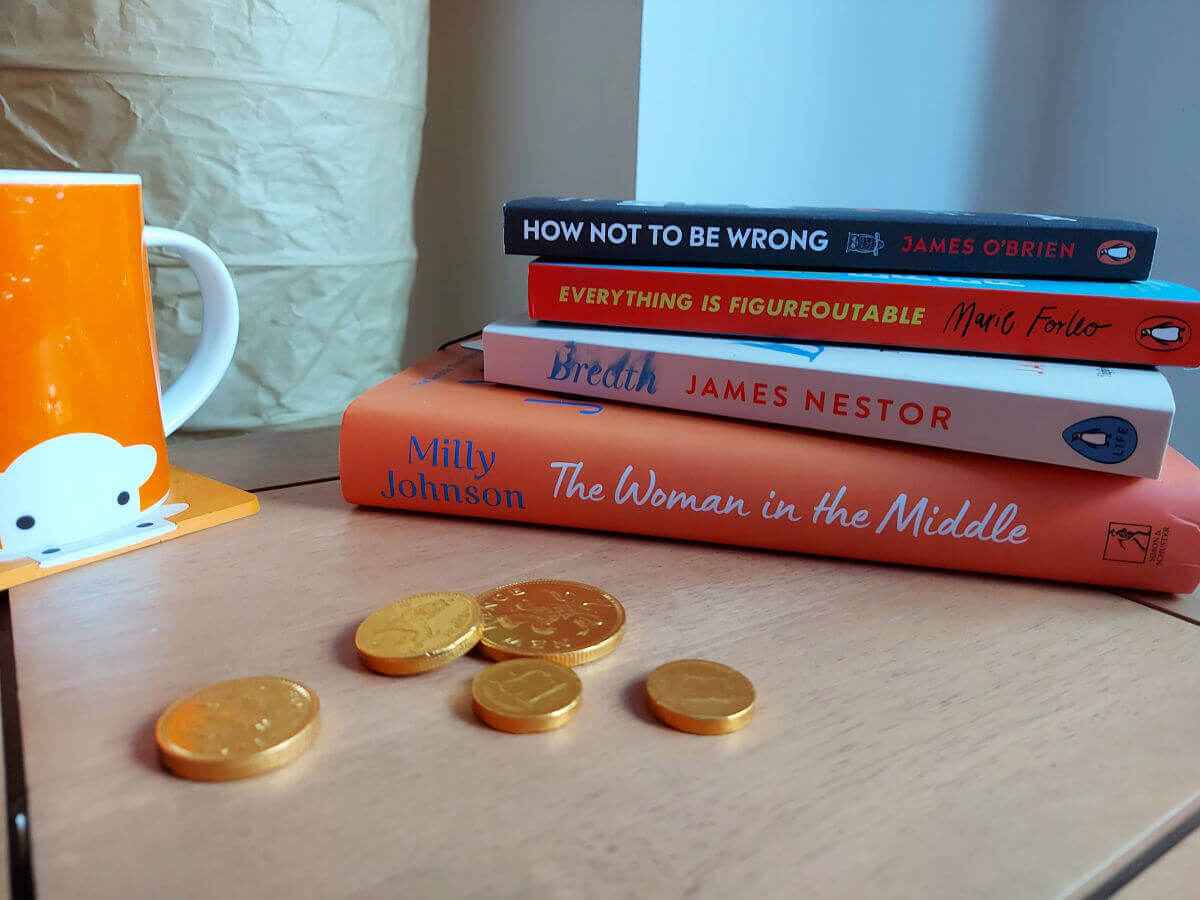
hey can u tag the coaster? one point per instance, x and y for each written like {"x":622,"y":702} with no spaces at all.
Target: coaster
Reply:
{"x":193,"y":503}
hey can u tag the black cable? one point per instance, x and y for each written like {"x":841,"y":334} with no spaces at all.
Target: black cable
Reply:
{"x":459,"y":340}
{"x":20,"y":844}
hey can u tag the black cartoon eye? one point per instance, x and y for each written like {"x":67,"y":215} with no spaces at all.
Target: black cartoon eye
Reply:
{"x":25,"y":523}
{"x":123,"y":497}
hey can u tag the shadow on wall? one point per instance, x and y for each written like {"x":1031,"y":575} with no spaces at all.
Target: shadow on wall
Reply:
{"x":1008,"y":105}
{"x":524,"y":98}
{"x":1111,"y":128}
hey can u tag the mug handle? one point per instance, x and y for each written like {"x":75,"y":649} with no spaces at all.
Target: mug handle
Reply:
{"x":218,"y":327}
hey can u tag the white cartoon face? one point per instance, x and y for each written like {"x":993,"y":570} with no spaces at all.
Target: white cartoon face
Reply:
{"x":70,"y":488}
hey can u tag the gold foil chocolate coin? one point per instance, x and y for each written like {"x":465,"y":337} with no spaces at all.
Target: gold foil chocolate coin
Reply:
{"x":235,"y":729}
{"x":563,"y":621}
{"x":701,"y":697}
{"x":419,"y":633}
{"x":522,"y":696}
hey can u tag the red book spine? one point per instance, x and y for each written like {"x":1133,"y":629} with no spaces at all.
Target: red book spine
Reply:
{"x":1126,"y":325}
{"x":438,"y":438}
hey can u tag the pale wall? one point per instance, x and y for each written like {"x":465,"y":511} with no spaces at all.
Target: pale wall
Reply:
{"x":1013,"y":105}
{"x":525,"y":97}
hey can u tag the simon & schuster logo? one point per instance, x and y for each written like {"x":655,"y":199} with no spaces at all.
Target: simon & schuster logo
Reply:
{"x":1127,"y":542}
{"x":1116,"y":253}
{"x":1163,"y":333}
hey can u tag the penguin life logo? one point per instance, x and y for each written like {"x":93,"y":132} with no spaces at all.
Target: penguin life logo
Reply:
{"x":1115,"y":253}
{"x":1102,"y":439}
{"x":1127,"y":542}
{"x":1163,"y":333}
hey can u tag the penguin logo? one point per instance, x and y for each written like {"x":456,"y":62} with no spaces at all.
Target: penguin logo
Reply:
{"x":1163,"y":333}
{"x":1115,"y":253}
{"x":1102,"y":439}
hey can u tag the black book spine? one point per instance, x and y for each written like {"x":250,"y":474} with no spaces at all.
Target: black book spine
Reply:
{"x":845,"y":240}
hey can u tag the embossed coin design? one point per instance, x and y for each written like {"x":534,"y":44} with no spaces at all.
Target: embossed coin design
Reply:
{"x":563,"y":621}
{"x":419,"y":633}
{"x":700,"y":697}
{"x":522,"y":696}
{"x":235,"y":729}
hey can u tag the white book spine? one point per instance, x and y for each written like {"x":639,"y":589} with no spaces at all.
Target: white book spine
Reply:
{"x":1109,"y":419}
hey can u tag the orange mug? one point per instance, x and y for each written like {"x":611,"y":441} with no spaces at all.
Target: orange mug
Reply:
{"x":83,"y":423}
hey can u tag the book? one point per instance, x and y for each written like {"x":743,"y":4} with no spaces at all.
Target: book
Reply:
{"x":1110,"y":419}
{"x":438,"y":438}
{"x":1136,"y":322}
{"x":886,"y":240}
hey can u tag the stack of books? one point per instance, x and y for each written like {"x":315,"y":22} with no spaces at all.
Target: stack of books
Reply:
{"x":957,"y":390}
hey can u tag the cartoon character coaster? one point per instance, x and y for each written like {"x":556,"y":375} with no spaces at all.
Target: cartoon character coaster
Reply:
{"x":70,"y":490}
{"x":151,"y":524}
{"x":193,"y":503}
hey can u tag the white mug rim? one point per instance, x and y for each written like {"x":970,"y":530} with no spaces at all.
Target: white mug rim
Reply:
{"x":36,"y":177}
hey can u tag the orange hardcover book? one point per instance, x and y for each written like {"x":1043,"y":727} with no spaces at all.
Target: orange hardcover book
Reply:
{"x":438,"y":438}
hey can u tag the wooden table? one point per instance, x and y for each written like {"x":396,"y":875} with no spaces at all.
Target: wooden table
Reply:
{"x":919,"y":733}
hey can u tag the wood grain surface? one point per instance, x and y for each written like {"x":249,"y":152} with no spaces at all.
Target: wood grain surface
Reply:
{"x":1185,"y":606}
{"x":918,"y":733}
{"x":263,"y":460}
{"x":1172,"y":876}
{"x":1140,"y":853}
